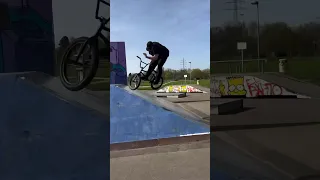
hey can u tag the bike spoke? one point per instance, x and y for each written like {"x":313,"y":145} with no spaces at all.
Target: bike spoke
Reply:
{"x":74,"y":63}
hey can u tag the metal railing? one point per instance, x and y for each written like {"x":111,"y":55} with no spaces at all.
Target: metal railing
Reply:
{"x":235,"y":66}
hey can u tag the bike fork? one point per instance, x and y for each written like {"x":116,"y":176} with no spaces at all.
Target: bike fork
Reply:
{"x":81,"y":51}
{"x":90,"y":41}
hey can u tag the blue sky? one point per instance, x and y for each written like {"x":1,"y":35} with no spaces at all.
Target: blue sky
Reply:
{"x":183,"y":26}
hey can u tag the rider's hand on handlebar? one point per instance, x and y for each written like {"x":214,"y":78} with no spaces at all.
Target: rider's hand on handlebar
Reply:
{"x":145,"y":55}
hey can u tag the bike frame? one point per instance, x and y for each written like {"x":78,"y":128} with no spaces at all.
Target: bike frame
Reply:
{"x":103,"y":22}
{"x":143,"y":67}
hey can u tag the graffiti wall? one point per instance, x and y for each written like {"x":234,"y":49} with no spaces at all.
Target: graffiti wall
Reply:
{"x":26,"y":36}
{"x":118,"y":63}
{"x":247,"y":86}
{"x":180,"y":89}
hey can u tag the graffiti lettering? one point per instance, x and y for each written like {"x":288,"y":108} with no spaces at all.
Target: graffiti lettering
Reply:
{"x":180,"y":89}
{"x":247,"y":86}
{"x":257,"y":88}
{"x":215,"y":90}
{"x":118,"y":63}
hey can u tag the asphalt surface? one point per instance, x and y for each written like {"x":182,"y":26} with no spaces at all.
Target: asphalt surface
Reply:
{"x":184,"y":161}
{"x":236,"y":163}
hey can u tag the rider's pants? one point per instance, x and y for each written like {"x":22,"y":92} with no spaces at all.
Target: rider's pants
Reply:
{"x":153,"y":64}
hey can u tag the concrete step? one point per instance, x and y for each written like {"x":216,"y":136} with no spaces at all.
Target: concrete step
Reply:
{"x":171,"y":95}
{"x":225,"y":106}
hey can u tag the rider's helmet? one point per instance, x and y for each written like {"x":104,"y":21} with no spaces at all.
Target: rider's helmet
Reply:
{"x":149,"y":46}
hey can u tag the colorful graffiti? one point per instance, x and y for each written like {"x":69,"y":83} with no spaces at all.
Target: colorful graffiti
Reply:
{"x":26,"y":36}
{"x":118,"y":63}
{"x":247,"y":86}
{"x":180,"y":89}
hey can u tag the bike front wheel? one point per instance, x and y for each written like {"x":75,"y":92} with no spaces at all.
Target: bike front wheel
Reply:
{"x":82,"y":54}
{"x":135,"y":81}
{"x":156,"y":86}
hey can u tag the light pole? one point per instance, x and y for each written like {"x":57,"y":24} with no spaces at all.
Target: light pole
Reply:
{"x":190,"y":71}
{"x":242,"y":26}
{"x":256,"y":3}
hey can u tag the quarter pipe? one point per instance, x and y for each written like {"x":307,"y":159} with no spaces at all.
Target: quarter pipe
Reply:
{"x":133,"y":118}
{"x":49,"y":133}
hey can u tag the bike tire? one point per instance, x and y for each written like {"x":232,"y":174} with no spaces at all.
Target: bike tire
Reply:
{"x":158,"y":85}
{"x":138,"y":83}
{"x":92,"y":72}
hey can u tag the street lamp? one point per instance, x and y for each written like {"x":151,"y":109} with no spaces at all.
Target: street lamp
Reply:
{"x":190,"y":71}
{"x":256,"y":3}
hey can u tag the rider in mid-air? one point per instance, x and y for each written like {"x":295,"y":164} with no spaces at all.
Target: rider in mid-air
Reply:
{"x":159,"y":55}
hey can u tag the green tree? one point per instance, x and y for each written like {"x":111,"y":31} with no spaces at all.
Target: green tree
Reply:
{"x":197,"y":74}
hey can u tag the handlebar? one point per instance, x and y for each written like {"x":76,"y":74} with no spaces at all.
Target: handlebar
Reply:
{"x":98,"y":7}
{"x":105,"y":2}
{"x":141,"y":62}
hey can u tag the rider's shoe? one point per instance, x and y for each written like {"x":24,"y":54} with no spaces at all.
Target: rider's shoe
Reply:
{"x":145,"y":78}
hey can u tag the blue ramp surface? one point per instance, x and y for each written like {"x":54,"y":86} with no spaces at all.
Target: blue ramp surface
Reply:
{"x":44,"y":137}
{"x":135,"y":119}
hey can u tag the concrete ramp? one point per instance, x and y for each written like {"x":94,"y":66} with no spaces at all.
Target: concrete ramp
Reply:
{"x":98,"y":101}
{"x":249,"y":87}
{"x":161,"y":102}
{"x":47,"y":135}
{"x":180,"y":89}
{"x":134,"y":119}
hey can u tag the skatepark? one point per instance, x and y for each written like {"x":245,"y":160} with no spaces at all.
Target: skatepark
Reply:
{"x":157,"y":131}
{"x":66,"y":134}
{"x":49,"y":132}
{"x":270,"y":117}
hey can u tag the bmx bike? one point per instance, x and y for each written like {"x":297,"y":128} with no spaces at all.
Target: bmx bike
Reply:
{"x":83,"y":54}
{"x":135,"y":79}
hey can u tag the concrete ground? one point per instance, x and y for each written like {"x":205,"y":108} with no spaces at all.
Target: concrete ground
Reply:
{"x":178,"y":162}
{"x":280,"y":132}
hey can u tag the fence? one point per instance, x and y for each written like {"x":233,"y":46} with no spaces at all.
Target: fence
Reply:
{"x":236,"y":66}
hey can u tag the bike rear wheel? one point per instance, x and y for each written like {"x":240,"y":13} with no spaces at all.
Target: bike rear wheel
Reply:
{"x":156,"y":86}
{"x":88,"y":51}
{"x":135,"y":81}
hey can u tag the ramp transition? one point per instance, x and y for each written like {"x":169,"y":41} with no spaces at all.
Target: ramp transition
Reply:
{"x":133,"y":119}
{"x":248,"y":86}
{"x":44,"y":136}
